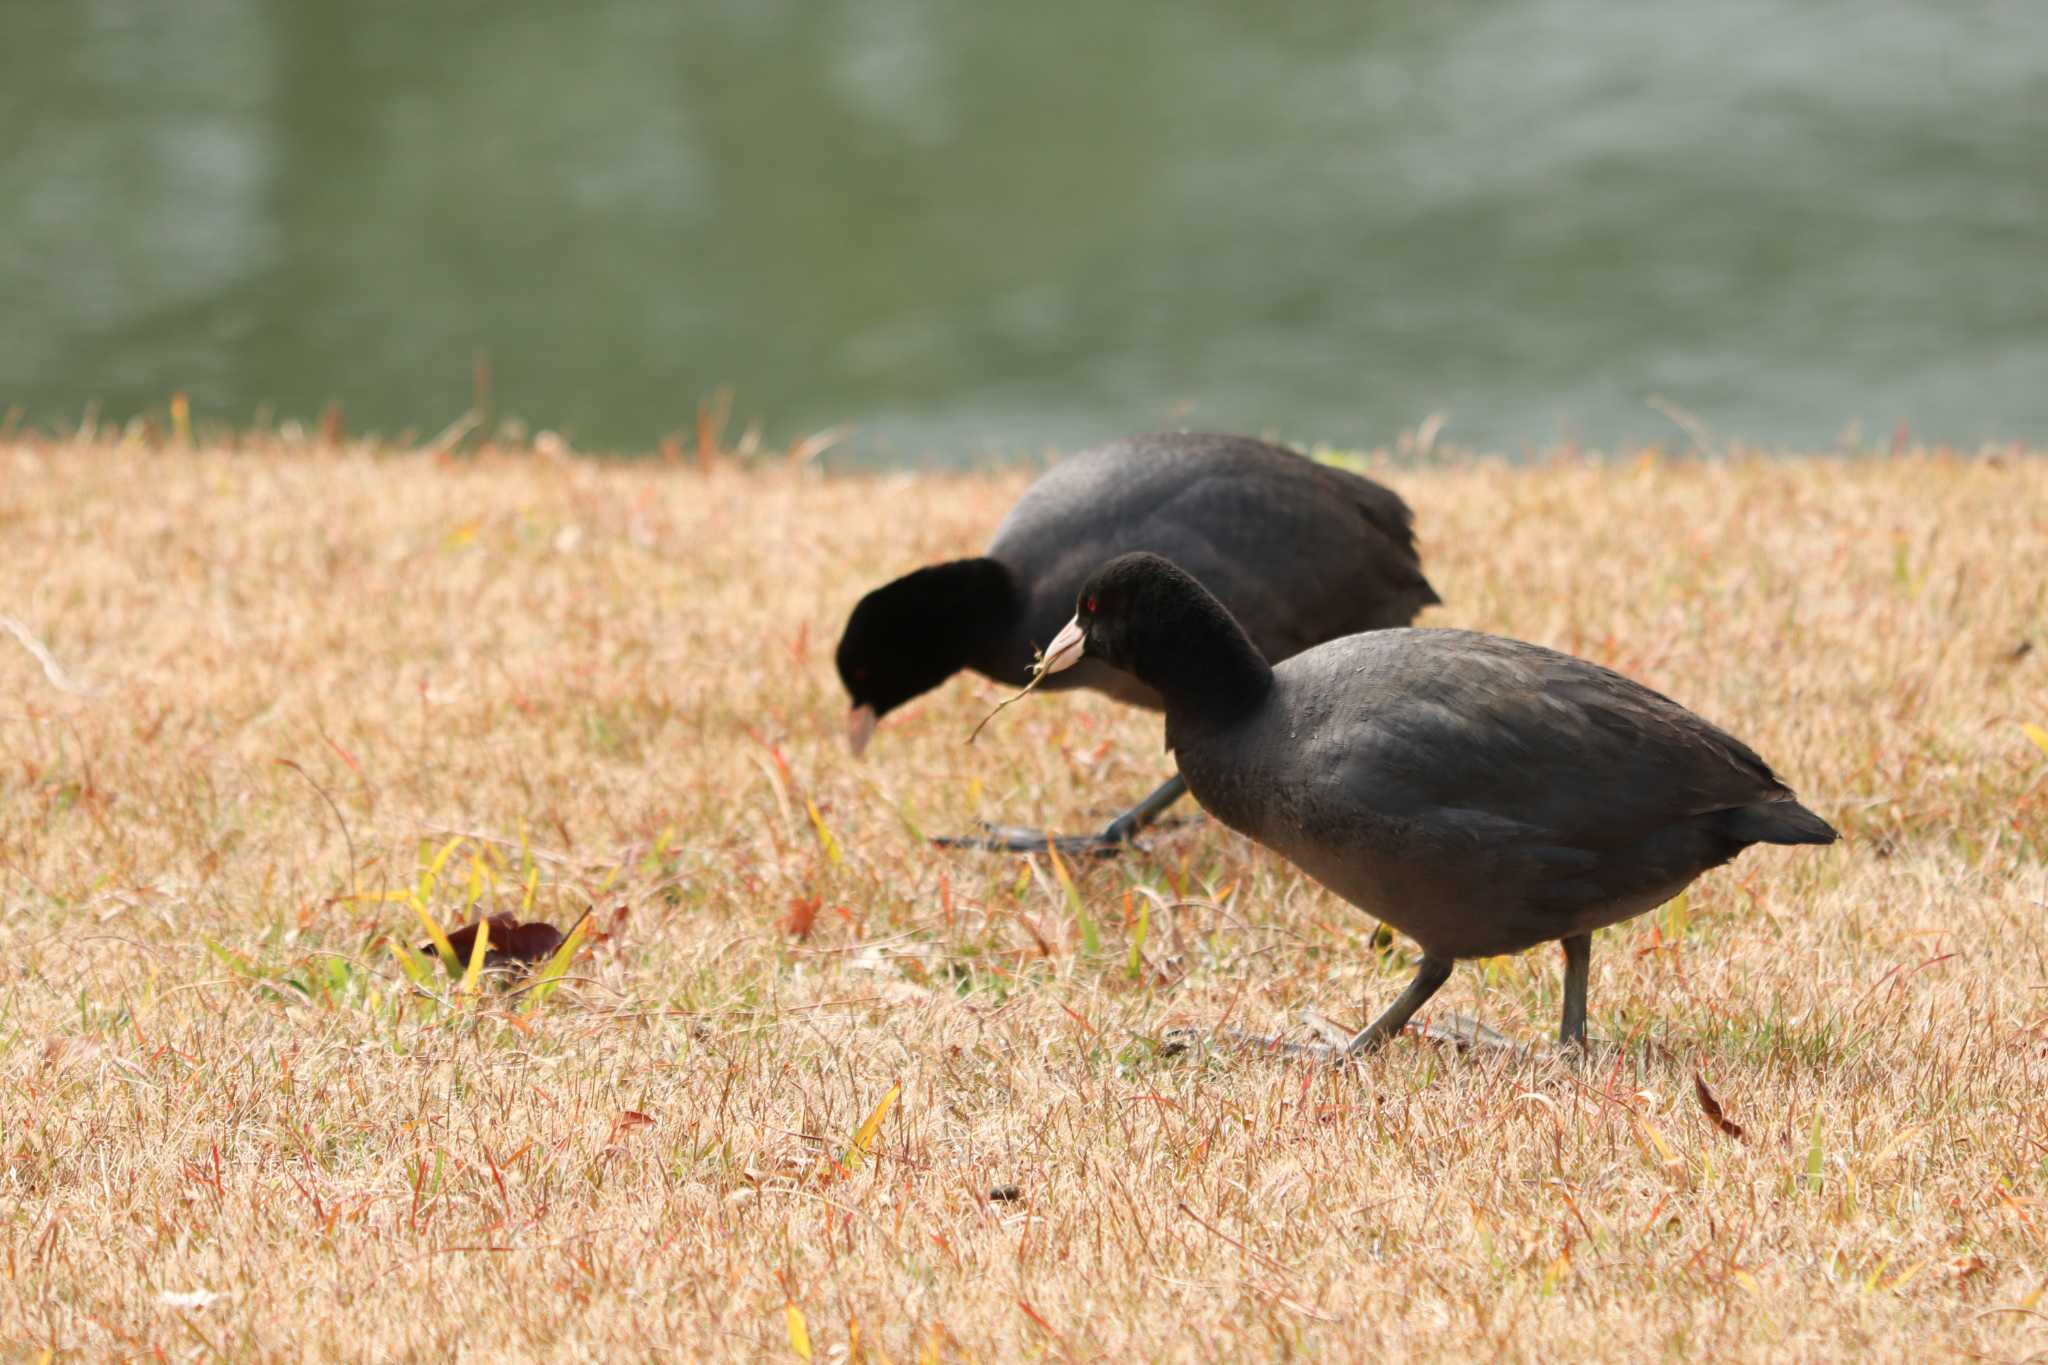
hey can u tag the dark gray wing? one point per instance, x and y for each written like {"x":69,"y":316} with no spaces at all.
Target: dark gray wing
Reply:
{"x":1298,"y":552}
{"x":1497,"y":730}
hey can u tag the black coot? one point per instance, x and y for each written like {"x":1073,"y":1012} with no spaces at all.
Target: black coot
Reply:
{"x":1304,"y":551}
{"x":1479,"y":794}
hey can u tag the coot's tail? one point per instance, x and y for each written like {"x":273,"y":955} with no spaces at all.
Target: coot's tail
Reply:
{"x":1781,"y":822}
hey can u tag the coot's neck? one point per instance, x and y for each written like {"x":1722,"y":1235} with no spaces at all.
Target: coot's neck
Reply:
{"x":1200,"y":662}
{"x":976,"y":607}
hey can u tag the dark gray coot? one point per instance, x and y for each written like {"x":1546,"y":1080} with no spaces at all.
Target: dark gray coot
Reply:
{"x":1304,"y":551}
{"x":1480,"y":794}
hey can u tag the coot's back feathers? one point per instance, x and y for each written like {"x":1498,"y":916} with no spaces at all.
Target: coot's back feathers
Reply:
{"x":1299,"y":552}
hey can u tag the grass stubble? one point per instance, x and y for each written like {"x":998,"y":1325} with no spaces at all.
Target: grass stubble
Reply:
{"x":260,"y":706}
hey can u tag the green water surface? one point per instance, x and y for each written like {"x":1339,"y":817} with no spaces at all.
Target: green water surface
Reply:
{"x":976,"y":228}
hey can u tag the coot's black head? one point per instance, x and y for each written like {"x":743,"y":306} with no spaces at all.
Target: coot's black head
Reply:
{"x":1145,"y":615}
{"x":906,"y":637}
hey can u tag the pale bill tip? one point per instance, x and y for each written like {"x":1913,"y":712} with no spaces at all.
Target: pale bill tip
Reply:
{"x":860,"y":728}
{"x":1066,"y":647}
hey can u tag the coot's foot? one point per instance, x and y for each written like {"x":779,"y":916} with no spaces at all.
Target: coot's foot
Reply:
{"x":1336,"y":1047}
{"x":1114,"y":839}
{"x":1118,"y":835}
{"x":1016,"y":839}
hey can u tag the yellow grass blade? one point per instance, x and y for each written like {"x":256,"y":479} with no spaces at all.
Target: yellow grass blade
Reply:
{"x":775,"y":785}
{"x":532,"y":885}
{"x":558,"y":965}
{"x":1676,"y":916}
{"x":407,"y":963}
{"x":1553,"y":1274}
{"x":865,"y":1134}
{"x":441,"y":858}
{"x":1656,"y":1139}
{"x":825,"y":839}
{"x":1905,"y":1277}
{"x":1091,"y":942}
{"x":799,"y":1334}
{"x":441,"y":943}
{"x":476,"y":957}
{"x":1898,"y":1142}
{"x":2037,"y":734}
{"x":425,"y":891}
{"x":1138,"y":933}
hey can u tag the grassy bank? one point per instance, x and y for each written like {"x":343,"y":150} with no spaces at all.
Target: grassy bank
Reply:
{"x":255,"y":698}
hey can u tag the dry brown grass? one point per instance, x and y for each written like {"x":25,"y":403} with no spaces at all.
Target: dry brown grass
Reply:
{"x":625,"y":668}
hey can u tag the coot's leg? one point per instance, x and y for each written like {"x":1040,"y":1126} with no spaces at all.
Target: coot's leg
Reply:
{"x":1428,"y":979}
{"x":1338,"y":1046}
{"x":1115,"y":836}
{"x":1122,"y":829}
{"x":1578,"y":959}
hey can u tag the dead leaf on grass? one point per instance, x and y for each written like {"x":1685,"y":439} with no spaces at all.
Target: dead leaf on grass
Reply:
{"x":1711,"y":1107}
{"x":802,"y":916}
{"x":512,"y":943}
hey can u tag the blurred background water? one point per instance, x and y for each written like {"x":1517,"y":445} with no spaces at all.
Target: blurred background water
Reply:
{"x":969,"y":229}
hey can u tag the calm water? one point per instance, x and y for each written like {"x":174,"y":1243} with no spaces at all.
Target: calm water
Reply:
{"x":974,"y":228}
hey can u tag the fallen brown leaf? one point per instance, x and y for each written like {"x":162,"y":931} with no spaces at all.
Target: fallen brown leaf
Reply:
{"x":802,"y":916}
{"x":1711,"y":1107}
{"x":511,"y":942}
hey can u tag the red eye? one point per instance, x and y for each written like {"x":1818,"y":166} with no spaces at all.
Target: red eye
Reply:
{"x":1089,"y":606}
